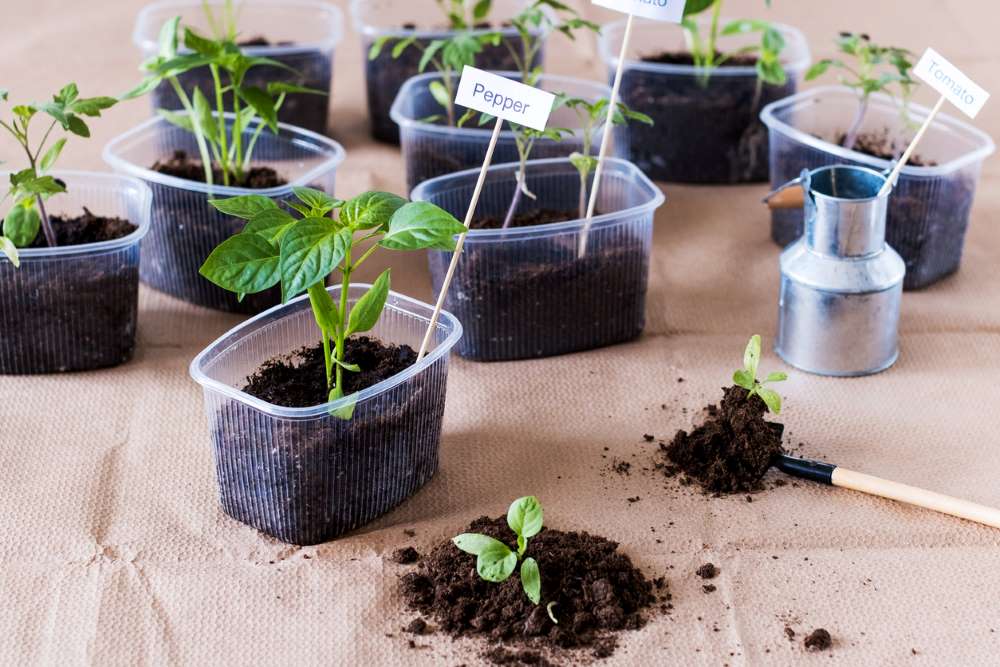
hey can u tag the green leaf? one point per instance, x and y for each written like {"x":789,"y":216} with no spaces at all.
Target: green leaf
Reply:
{"x":39,"y":185}
{"x":370,"y":210}
{"x":481,"y":9}
{"x":525,"y":516}
{"x":743,"y":378}
{"x":203,"y":117}
{"x":7,"y":246}
{"x":21,"y":225}
{"x":440,"y":93}
{"x":496,"y":563}
{"x":751,"y":355}
{"x":345,"y":412}
{"x":318,"y":201}
{"x":245,"y":206}
{"x":168,"y":37}
{"x":92,"y":106}
{"x":376,"y":48}
{"x":365,"y":313}
{"x":429,"y":53}
{"x":310,"y":251}
{"x":771,"y":398}
{"x":692,"y":7}
{"x":776,"y":376}
{"x":76,"y":125}
{"x":818,"y":70}
{"x":262,"y":103}
{"x":201,"y":45}
{"x":531,"y":580}
{"x":180,"y":119}
{"x":354,"y":368}
{"x":51,"y":155}
{"x":270,"y":223}
{"x":422,"y":225}
{"x":324,"y":309}
{"x":244,"y":263}
{"x":583,"y":163}
{"x":475,"y":543}
{"x":402,"y":45}
{"x":279,"y":87}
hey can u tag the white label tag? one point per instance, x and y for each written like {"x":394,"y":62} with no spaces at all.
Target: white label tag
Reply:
{"x":658,"y":10}
{"x":950,"y":82}
{"x":505,"y":98}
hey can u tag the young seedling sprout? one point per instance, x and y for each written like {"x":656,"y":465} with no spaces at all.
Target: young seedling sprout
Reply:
{"x":876,"y":69}
{"x":249,"y":105}
{"x":495,"y":561}
{"x":532,"y":23}
{"x":746,"y":377}
{"x":223,"y":24}
{"x":465,"y":14}
{"x":299,"y":253}
{"x":32,"y":185}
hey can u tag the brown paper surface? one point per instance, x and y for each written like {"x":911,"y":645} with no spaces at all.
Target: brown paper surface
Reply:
{"x":115,"y":552}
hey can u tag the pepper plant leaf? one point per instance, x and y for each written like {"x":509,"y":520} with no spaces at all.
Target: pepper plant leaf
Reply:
{"x":262,"y":103}
{"x":751,"y":356}
{"x":21,"y":225}
{"x":245,"y":206}
{"x":771,"y":398}
{"x":8,"y":248}
{"x":245,"y":263}
{"x":310,"y":250}
{"x":531,"y":580}
{"x":475,"y":543}
{"x":270,"y":223}
{"x":524,"y":516}
{"x":365,"y":313}
{"x":422,"y":225}
{"x":743,"y":378}
{"x":318,"y":201}
{"x":370,"y":210}
{"x":496,"y":563}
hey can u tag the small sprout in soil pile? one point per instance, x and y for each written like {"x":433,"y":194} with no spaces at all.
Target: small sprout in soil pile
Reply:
{"x":705,"y":51}
{"x":32,"y":186}
{"x":885,"y":69}
{"x":300,"y":253}
{"x":251,"y":107}
{"x":746,"y":377}
{"x":495,"y":561}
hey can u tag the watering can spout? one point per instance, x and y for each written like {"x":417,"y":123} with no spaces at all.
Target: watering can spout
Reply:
{"x":788,"y":196}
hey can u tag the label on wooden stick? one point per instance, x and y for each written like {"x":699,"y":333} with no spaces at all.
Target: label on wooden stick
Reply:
{"x":948,"y":80}
{"x":504,"y":98}
{"x":657,"y":10}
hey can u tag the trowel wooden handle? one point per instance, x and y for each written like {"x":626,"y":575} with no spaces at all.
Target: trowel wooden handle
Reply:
{"x":884,"y":488}
{"x":787,"y":198}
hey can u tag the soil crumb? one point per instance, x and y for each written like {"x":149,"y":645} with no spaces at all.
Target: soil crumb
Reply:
{"x":818,"y":640}
{"x":182,"y":166}
{"x":707,"y":571}
{"x":405,"y":556}
{"x":83,"y":229}
{"x":417,"y":626}
{"x":731,"y":450}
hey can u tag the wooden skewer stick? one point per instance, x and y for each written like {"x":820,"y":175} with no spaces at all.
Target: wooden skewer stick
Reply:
{"x":891,"y":181}
{"x":461,"y":241}
{"x":827,"y":473}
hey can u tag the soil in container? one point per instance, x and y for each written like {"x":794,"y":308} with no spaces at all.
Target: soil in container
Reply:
{"x":78,"y":314}
{"x":596,"y":590}
{"x":538,"y":299}
{"x":308,"y":481}
{"x":703,"y":132}
{"x":312,"y":69}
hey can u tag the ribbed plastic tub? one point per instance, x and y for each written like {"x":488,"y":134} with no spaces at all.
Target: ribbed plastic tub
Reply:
{"x":524,"y":292}
{"x":704,"y":132}
{"x":74,"y":307}
{"x":403,"y":19}
{"x":299,"y":474}
{"x":431,"y":150}
{"x":301,"y":34}
{"x":185,"y":226}
{"x":929,"y":208}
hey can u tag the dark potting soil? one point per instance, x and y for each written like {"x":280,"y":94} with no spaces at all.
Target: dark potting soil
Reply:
{"x":704,"y":131}
{"x":83,"y":229}
{"x":880,"y":145}
{"x":298,"y":380}
{"x":542,"y":216}
{"x":818,"y":640}
{"x":180,"y":165}
{"x":682,"y":58}
{"x":731,"y":450}
{"x":596,"y":589}
{"x":707,"y":571}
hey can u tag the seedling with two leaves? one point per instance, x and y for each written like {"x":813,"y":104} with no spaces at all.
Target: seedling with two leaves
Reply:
{"x":746,"y":377}
{"x":32,"y":186}
{"x":536,"y":20}
{"x":301,"y":251}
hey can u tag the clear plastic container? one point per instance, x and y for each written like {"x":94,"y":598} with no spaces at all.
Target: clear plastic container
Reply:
{"x":185,"y":226}
{"x":524,"y":292}
{"x":74,"y":307}
{"x":703,"y":132}
{"x":300,"y":34}
{"x":299,"y":474}
{"x":385,"y":75}
{"x":929,"y":208}
{"x":431,"y":150}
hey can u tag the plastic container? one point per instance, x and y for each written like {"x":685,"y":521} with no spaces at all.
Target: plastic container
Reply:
{"x":929,"y":207}
{"x":703,"y":132}
{"x":74,"y":307}
{"x":431,"y":150}
{"x":300,"y":34}
{"x":524,"y":292}
{"x":186,"y":228}
{"x":299,"y":474}
{"x":403,"y":19}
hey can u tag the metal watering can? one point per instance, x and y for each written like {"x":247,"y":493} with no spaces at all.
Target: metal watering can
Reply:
{"x":841,"y":285}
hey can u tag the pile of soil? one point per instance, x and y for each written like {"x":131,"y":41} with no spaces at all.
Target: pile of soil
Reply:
{"x":597,"y":591}
{"x":731,"y":450}
{"x":180,"y":165}
{"x":542,"y":216}
{"x":880,"y":145}
{"x":298,"y":380}
{"x":83,"y":229}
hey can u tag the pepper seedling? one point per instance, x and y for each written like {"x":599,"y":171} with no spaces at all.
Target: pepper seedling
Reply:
{"x":464,"y":14}
{"x":300,"y":253}
{"x":31,"y":186}
{"x":249,"y":105}
{"x":746,"y":377}
{"x":540,"y":17}
{"x":876,"y":69}
{"x":496,"y":562}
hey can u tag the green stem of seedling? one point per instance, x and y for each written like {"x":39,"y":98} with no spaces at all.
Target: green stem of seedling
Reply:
{"x":713,"y":34}
{"x":47,"y":231}
{"x":199,"y":137}
{"x":221,"y":121}
{"x":256,"y":134}
{"x":317,"y":292}
{"x":345,"y":285}
{"x":237,"y":160}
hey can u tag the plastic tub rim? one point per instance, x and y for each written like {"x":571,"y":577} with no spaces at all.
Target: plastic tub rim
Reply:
{"x":657,"y":199}
{"x":768,"y":116}
{"x":368,"y":30}
{"x":792,"y":66}
{"x":295,"y":135}
{"x":396,"y":301}
{"x":336,"y":18}
{"x":102,"y":247}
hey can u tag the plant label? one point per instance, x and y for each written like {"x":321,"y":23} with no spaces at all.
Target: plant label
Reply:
{"x":657,"y":10}
{"x":504,"y":98}
{"x":950,"y":82}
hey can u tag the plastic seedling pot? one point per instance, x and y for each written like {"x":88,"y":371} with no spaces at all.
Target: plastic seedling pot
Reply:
{"x":74,"y":307}
{"x":300,"y":34}
{"x":524,"y":292}
{"x":185,"y":226}
{"x":705,"y":131}
{"x":299,"y":474}
{"x":402,"y":19}
{"x":929,"y":207}
{"x":432,"y":149}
